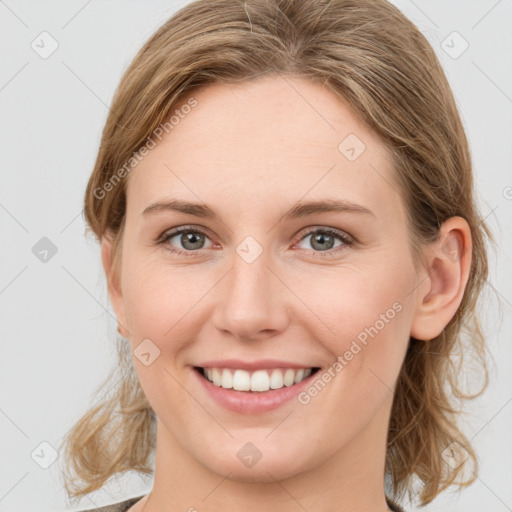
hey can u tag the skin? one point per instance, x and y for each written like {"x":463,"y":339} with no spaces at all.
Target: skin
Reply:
{"x":251,"y":152}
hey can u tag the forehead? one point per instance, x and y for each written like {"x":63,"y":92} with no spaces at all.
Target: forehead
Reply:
{"x":271,"y":139}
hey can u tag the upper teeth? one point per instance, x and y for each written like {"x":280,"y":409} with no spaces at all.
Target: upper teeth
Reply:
{"x":260,"y":380}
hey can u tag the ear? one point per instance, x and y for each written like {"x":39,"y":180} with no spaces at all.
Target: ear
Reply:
{"x":439,"y":295}
{"x":113,"y":283}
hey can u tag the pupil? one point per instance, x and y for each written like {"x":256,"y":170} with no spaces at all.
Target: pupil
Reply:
{"x":321,"y":240}
{"x":191,"y":238}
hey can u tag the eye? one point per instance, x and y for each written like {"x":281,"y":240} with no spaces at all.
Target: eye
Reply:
{"x":324,"y":240}
{"x":191,"y":240}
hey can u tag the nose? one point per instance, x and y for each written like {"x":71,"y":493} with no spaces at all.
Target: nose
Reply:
{"x":253,"y":301}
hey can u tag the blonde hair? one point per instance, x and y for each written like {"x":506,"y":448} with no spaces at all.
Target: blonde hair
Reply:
{"x":379,"y":63}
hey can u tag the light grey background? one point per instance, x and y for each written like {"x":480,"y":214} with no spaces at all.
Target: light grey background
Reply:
{"x":56,"y":326}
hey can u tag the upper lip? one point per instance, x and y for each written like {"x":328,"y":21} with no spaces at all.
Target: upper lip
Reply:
{"x":261,"y":364}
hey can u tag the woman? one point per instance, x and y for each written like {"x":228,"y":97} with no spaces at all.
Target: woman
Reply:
{"x":284,"y":200}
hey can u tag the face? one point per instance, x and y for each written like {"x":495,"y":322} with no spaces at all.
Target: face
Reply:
{"x":265,"y":286}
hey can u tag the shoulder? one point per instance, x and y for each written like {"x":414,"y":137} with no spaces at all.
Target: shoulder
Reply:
{"x":121,"y":506}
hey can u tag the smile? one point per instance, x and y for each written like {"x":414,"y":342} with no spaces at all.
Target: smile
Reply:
{"x":255,"y":381}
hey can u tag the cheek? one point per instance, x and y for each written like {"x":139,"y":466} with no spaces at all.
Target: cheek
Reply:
{"x":348,"y":304}
{"x":160,"y":299}
{"x":362,"y":317}
{"x":370,"y":316}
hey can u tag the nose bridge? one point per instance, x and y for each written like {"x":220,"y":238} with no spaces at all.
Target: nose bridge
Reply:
{"x":252,"y":299}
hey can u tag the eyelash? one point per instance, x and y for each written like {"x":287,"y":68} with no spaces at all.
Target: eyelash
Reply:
{"x":347,"y":240}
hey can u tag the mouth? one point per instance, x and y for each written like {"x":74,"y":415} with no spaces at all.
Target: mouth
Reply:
{"x":257,"y":381}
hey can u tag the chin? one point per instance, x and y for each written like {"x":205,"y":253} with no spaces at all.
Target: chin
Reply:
{"x":266,"y":466}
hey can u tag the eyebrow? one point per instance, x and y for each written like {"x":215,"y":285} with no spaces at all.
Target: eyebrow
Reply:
{"x":301,"y":209}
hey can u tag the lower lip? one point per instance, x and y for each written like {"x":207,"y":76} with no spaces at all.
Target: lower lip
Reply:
{"x":253,"y":402}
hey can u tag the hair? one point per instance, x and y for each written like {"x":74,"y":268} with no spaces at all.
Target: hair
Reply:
{"x":377,"y":62}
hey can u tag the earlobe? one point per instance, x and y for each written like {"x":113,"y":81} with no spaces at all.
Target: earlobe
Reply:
{"x":440,"y":294}
{"x":113,"y":284}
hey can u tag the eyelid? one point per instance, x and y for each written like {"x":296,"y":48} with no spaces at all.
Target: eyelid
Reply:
{"x":171,"y":233}
{"x":308,"y":230}
{"x":347,"y":239}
